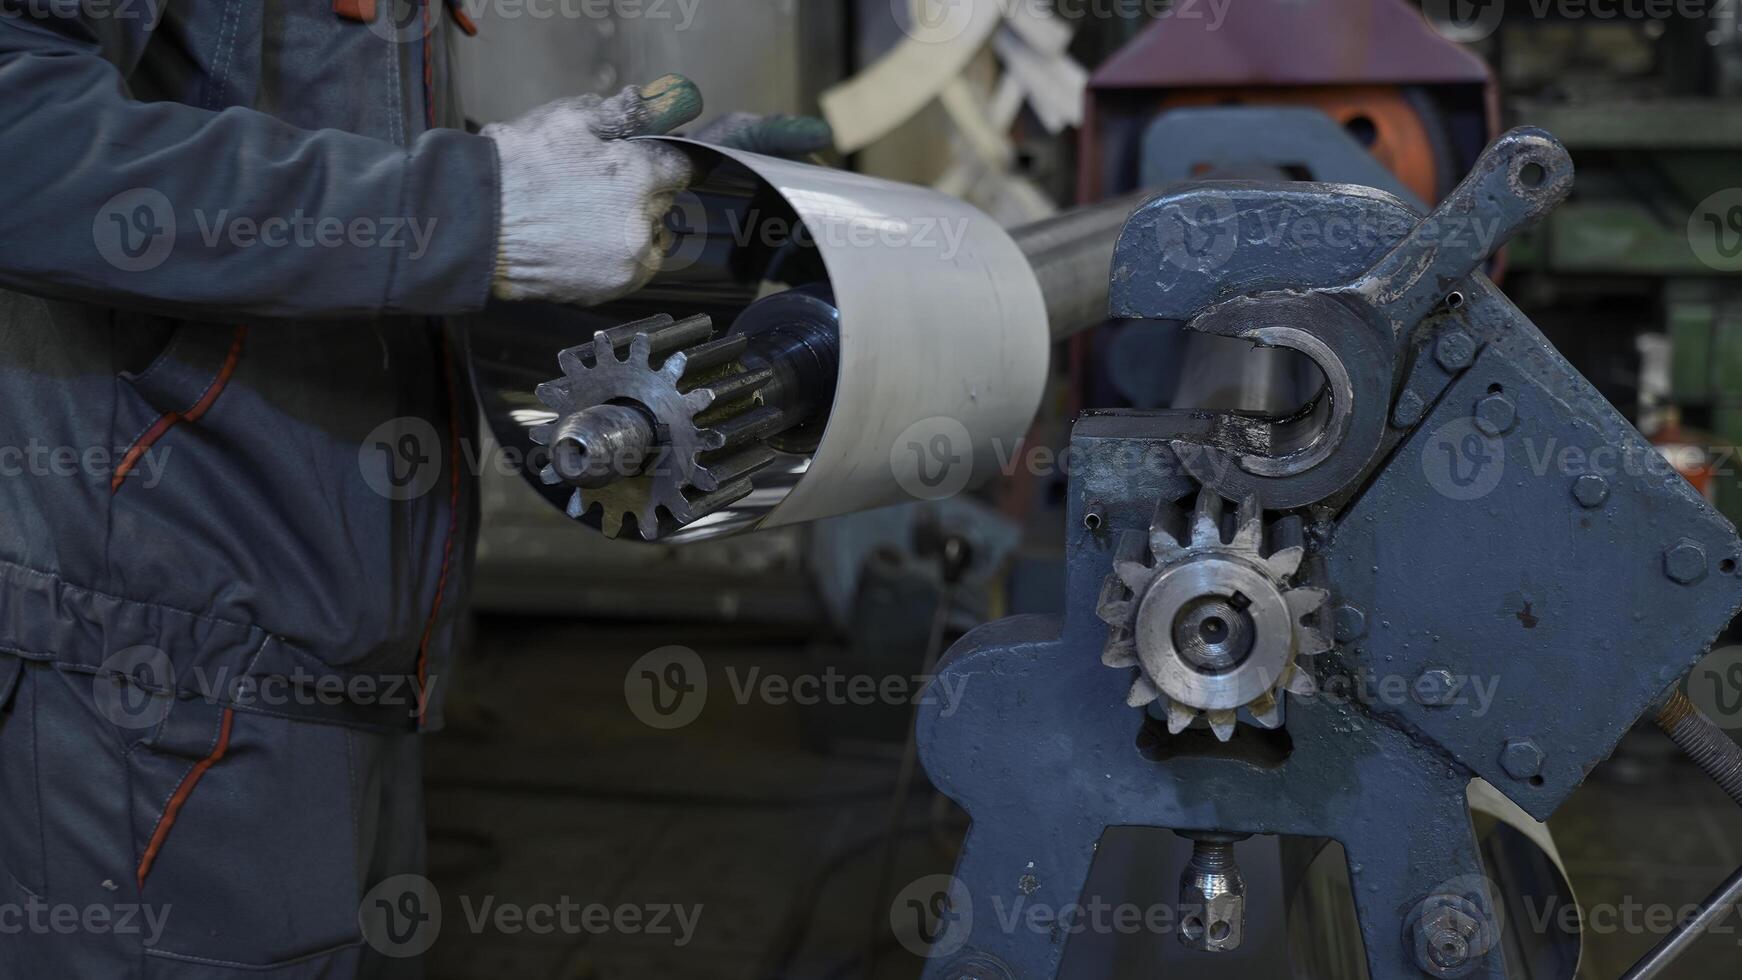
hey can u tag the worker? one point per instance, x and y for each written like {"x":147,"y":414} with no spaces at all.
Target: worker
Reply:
{"x":230,"y":232}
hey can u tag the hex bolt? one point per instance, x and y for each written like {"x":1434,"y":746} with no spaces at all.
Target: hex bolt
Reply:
{"x":1495,"y":415}
{"x":1348,"y":623}
{"x":1685,"y":562}
{"x":1455,"y":351}
{"x":1212,"y":895}
{"x":1521,"y":758}
{"x":1448,"y":935}
{"x":1408,"y":409}
{"x":1435,"y":688}
{"x":1704,"y":742}
{"x":1590,"y":490}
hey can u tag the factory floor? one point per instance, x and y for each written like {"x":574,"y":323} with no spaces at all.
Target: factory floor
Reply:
{"x":546,"y":791}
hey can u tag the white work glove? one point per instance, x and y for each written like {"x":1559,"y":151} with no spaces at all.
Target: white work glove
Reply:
{"x":581,"y":205}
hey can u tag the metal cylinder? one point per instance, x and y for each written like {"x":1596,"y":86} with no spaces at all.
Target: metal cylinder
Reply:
{"x":1072,"y":257}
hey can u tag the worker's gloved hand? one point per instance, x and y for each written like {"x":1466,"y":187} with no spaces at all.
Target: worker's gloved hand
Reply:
{"x":581,"y":204}
{"x":792,"y":137}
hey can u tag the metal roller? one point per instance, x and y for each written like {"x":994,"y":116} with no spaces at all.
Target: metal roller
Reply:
{"x":818,"y":343}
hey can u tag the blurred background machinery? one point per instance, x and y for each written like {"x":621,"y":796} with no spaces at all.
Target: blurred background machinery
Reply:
{"x":1054,"y":106}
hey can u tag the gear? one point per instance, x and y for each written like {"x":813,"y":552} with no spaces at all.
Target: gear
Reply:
{"x":656,"y":421}
{"x":1206,"y":610}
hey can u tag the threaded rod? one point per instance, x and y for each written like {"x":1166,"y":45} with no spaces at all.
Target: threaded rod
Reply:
{"x":1709,"y":746}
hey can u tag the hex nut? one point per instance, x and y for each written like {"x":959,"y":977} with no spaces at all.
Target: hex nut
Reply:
{"x":1449,"y":936}
{"x":1211,"y":919}
{"x":1685,"y":562}
{"x":1590,"y":490}
{"x":1408,"y":410}
{"x":1455,"y":351}
{"x":1521,"y":758}
{"x":1495,"y":415}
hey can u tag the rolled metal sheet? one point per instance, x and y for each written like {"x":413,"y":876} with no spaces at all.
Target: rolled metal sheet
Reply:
{"x":944,"y":337}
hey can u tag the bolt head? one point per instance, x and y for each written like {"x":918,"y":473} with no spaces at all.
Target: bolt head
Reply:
{"x":1349,"y":624}
{"x":1495,"y":415}
{"x":1448,"y":937}
{"x":1685,"y":562}
{"x":1590,"y":490}
{"x":1434,"y":688}
{"x":1455,"y":351}
{"x":1408,"y":410}
{"x":1521,"y":758}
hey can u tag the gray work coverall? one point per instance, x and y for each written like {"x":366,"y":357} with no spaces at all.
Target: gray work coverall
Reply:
{"x":227,"y":229}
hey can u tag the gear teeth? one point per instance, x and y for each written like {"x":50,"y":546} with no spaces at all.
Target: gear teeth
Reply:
{"x":540,"y":434}
{"x":1248,"y":526}
{"x":1143,"y":692}
{"x":1222,"y":723}
{"x":1266,"y":711}
{"x":641,"y":349}
{"x":555,"y":396}
{"x":1179,"y":717}
{"x":741,"y":429}
{"x":703,"y":505}
{"x":1121,"y":650}
{"x":1207,"y":520}
{"x":734,"y":388}
{"x":1300,"y":683}
{"x":1304,"y":601}
{"x":1169,"y":538}
{"x":548,"y":476}
{"x":714,"y":354}
{"x":713,"y":475}
{"x":1128,"y":564}
{"x":1287,"y":547}
{"x":1115,"y":605}
{"x":675,"y":336}
{"x":1310,"y":642}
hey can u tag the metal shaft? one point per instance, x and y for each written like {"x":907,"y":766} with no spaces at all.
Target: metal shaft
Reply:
{"x":1072,"y":256}
{"x":1720,"y":904}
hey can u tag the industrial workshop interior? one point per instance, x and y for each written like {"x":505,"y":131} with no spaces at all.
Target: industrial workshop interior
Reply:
{"x":871,"y":489}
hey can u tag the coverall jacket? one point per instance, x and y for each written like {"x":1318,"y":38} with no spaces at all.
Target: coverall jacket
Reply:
{"x":236,"y":509}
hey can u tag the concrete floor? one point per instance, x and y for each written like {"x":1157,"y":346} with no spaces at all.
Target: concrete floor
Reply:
{"x":547,"y":787}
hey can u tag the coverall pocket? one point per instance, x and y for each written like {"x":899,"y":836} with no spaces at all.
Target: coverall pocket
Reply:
{"x":245,"y":829}
{"x":21,"y":849}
